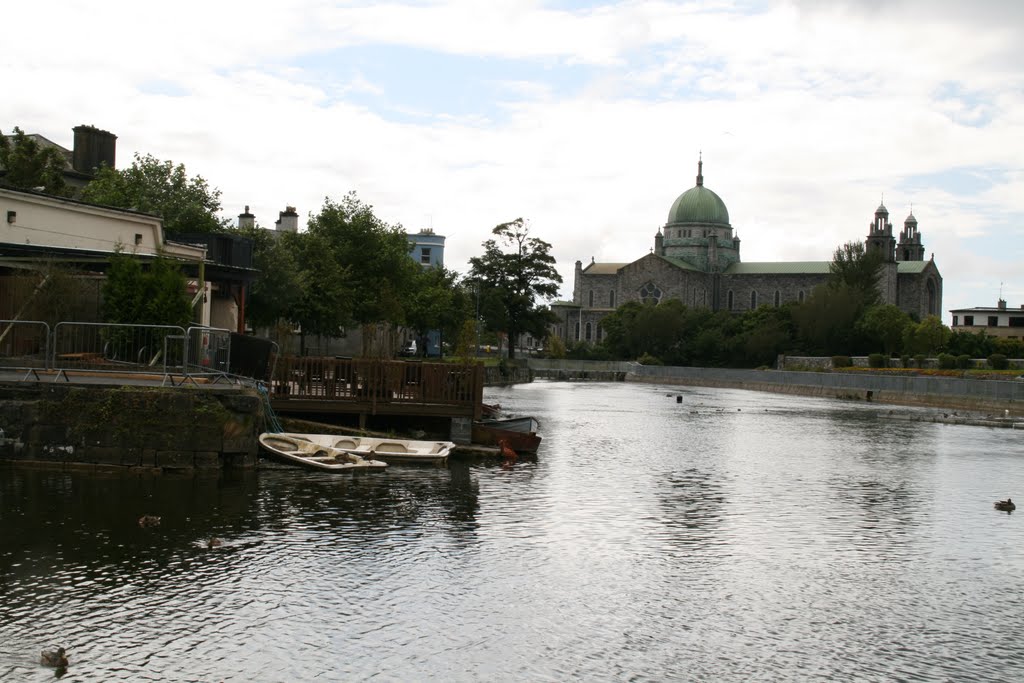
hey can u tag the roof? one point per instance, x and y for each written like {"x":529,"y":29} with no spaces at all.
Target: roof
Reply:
{"x":779,"y":268}
{"x":603,"y":268}
{"x":679,"y":263}
{"x":700,"y":206}
{"x":911,"y":267}
{"x":988,"y":309}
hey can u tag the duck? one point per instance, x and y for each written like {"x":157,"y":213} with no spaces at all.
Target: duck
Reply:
{"x":214,"y":543}
{"x":148,"y":521}
{"x":55,"y":658}
{"x":1005,"y":505}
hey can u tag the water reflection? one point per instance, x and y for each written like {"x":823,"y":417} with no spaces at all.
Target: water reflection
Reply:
{"x":729,"y":536}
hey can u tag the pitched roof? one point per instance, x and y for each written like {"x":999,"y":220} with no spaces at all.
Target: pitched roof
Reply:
{"x":603,"y":268}
{"x":779,"y":268}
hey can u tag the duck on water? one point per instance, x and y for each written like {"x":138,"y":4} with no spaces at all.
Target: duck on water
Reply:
{"x":1005,"y":505}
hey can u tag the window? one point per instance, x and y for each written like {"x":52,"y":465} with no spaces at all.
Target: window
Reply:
{"x":969,"y":320}
{"x":956,"y":320}
{"x":588,"y":328}
{"x":650,"y":293}
{"x":611,"y":298}
{"x":138,"y":239}
{"x":778,"y":298}
{"x":590,"y":299}
{"x":577,"y":331}
{"x":800,"y":296}
{"x":1016,"y":321}
{"x":993,"y":321}
{"x":753,"y":300}
{"x":729,"y":305}
{"x":425,"y":256}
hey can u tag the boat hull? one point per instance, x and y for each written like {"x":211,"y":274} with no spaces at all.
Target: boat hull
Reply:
{"x":305,"y":453}
{"x":395,"y":451}
{"x":489,"y":434}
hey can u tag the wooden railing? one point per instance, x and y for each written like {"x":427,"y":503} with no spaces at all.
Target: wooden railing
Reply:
{"x":378,"y":385}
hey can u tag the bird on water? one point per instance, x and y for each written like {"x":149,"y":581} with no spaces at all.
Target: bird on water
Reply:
{"x":149,"y":520}
{"x":1005,"y":505}
{"x":56,"y":658}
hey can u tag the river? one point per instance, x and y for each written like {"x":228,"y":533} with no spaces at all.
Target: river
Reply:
{"x":723,"y":535}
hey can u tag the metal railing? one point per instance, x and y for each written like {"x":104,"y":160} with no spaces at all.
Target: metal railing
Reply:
{"x":168,"y":351}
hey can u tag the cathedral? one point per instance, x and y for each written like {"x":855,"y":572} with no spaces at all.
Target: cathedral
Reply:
{"x":696,"y":259}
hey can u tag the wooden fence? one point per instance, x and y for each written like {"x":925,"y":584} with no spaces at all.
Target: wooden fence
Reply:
{"x":322,"y":384}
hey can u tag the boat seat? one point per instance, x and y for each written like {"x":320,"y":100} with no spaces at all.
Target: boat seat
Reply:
{"x":390,"y":447}
{"x":345,"y":443}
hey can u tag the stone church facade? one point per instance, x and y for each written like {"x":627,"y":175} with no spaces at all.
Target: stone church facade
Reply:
{"x":696,"y":259}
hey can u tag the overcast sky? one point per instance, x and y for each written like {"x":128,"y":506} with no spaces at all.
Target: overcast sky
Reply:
{"x":584,"y":118}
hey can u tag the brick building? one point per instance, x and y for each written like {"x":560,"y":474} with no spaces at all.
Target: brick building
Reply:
{"x":696,"y":259}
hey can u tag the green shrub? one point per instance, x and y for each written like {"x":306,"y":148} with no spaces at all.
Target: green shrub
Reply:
{"x":998,"y":361}
{"x":841,"y":362}
{"x":947,"y":361}
{"x":905,"y":361}
{"x":648,"y":359}
{"x":876,"y":360}
{"x":963,"y":361}
{"x":920,"y":359}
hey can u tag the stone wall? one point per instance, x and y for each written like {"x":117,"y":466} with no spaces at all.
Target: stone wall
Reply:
{"x":180,"y":428}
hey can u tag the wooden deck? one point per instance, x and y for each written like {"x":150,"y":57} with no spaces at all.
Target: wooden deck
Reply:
{"x":308,"y":385}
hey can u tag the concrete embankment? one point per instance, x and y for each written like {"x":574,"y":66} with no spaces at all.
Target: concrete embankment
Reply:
{"x":995,"y":397}
{"x":148,"y":428}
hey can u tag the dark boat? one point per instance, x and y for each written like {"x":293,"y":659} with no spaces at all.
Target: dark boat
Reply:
{"x":519,"y":432}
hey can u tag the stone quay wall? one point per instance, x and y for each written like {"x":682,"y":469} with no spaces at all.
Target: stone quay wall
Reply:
{"x":946,"y":392}
{"x":153,"y":428}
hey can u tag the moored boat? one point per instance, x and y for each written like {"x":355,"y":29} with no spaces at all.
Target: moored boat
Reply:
{"x":299,"y":450}
{"x":395,"y":451}
{"x":520,"y":433}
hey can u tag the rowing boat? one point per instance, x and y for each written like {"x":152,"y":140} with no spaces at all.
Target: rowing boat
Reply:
{"x":395,"y":451}
{"x":297,"y":449}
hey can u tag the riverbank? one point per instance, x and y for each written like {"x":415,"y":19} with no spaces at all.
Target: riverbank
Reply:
{"x":983,"y":396}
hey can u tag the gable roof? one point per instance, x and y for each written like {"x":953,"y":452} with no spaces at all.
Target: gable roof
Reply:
{"x":603,"y":268}
{"x":779,"y":268}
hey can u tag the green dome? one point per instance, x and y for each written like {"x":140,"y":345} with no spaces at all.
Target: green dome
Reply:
{"x":698,"y":205}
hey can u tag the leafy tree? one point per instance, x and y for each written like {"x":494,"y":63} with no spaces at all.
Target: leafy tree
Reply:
{"x":883,"y":326}
{"x":274,"y":295}
{"x":927,"y":336}
{"x":159,"y":187}
{"x":513,"y":272}
{"x":26,"y":164}
{"x":437,"y":302}
{"x":826,"y":321}
{"x":372,"y":257}
{"x":136,"y":295}
{"x":324,"y":304}
{"x":855,"y":268}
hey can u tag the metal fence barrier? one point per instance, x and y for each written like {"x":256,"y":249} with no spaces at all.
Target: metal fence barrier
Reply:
{"x":108,"y":347}
{"x":24,"y":344}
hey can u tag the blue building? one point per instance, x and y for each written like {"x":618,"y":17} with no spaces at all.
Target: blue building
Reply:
{"x":427,"y":249}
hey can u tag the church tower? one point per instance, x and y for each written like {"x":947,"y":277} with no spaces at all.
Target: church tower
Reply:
{"x":910,"y":247}
{"x":880,"y":239}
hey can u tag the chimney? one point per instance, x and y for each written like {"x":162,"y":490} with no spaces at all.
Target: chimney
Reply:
{"x":288,"y":220}
{"x":246,"y":220}
{"x":1002,"y":304}
{"x":93,"y":147}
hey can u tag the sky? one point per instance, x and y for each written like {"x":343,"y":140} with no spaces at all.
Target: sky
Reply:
{"x":586,"y":119}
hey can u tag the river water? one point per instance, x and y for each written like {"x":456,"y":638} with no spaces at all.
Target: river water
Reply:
{"x":728,"y":535}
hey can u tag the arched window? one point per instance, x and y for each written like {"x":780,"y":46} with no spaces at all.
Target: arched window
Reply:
{"x":611,"y":298}
{"x":778,"y":298}
{"x":800,"y":296}
{"x":590,"y":299}
{"x":704,"y":298}
{"x":577,"y":331}
{"x":729,"y":301}
{"x":753,"y":300}
{"x":931,"y":296}
{"x":588,"y":331}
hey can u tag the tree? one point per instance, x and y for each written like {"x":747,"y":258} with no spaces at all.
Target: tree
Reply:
{"x":159,"y":187}
{"x":437,"y":302}
{"x":274,"y":295}
{"x":136,"y":295}
{"x":883,"y":326}
{"x":372,"y":260}
{"x":513,"y":272}
{"x":28,"y":165}
{"x":857,"y":269}
{"x":826,"y":321}
{"x":928,"y":336}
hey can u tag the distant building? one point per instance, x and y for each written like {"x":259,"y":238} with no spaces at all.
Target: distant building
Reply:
{"x":92,"y":148}
{"x":696,"y":259}
{"x":995,"y":322}
{"x":427,"y":249}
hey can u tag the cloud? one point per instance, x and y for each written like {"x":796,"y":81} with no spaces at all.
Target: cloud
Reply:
{"x":586,"y":120}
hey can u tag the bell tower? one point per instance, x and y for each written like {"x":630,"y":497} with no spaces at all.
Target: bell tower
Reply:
{"x":880,"y":238}
{"x":910,"y":247}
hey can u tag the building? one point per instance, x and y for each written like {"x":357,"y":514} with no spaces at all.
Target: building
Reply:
{"x":696,"y":259}
{"x":995,"y":322}
{"x":427,"y":249}
{"x":92,"y":148}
